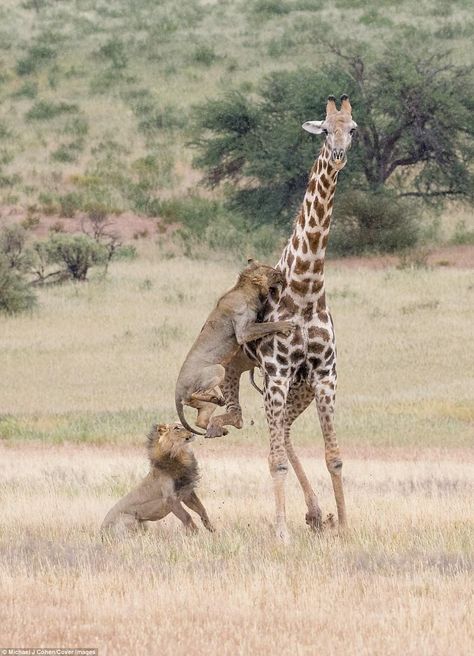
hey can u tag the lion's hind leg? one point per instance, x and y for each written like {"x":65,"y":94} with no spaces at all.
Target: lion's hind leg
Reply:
{"x":121,"y":526}
{"x":209,"y":382}
{"x":205,"y":410}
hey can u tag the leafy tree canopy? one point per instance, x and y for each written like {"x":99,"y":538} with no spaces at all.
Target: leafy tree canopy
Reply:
{"x":413,"y":108}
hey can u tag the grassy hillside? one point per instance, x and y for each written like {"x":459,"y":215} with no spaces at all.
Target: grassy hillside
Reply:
{"x":96,"y":362}
{"x":96,"y":96}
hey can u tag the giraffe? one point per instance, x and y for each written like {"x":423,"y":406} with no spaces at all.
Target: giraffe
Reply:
{"x":302,"y":366}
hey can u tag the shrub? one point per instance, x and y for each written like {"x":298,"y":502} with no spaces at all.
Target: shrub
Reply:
{"x":126,"y":252}
{"x":193,"y":212}
{"x":209,"y":225}
{"x":115,"y":52}
{"x":76,"y":253}
{"x":38,"y":55}
{"x":77,"y":127}
{"x":462,"y":234}
{"x":372,"y":222}
{"x":15,"y":293}
{"x":27,"y":90}
{"x":271,"y":7}
{"x":205,"y":55}
{"x":12,"y":247}
{"x":68,"y":152}
{"x":70,"y":203}
{"x":44,"y":110}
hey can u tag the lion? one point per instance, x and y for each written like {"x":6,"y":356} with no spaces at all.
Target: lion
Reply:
{"x":171,"y":481}
{"x":231,"y":324}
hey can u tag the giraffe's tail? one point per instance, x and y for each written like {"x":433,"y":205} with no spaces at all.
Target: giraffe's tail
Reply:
{"x":252,"y":380}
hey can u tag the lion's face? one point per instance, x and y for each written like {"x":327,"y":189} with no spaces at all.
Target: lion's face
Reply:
{"x":263,"y":276}
{"x":173,"y":438}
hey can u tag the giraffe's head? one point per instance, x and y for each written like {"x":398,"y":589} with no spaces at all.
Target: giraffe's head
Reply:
{"x":338,"y":127}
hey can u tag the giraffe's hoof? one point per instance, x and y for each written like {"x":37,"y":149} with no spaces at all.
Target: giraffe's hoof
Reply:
{"x":314,"y":521}
{"x":282,"y":535}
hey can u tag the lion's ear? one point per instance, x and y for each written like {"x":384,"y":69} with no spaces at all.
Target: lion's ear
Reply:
{"x":162,"y":428}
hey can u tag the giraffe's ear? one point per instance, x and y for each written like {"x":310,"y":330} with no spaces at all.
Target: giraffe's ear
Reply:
{"x":313,"y":126}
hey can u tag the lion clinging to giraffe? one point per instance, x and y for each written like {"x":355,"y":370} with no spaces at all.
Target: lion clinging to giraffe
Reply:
{"x":302,"y":366}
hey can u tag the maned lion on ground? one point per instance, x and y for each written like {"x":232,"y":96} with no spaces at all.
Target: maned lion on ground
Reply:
{"x":172,"y":478}
{"x":233,"y":322}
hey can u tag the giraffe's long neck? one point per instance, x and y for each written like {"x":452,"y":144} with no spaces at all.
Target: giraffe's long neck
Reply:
{"x":302,"y":260}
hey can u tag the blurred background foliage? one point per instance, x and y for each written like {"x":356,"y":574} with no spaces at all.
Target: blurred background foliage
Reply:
{"x":192,"y":113}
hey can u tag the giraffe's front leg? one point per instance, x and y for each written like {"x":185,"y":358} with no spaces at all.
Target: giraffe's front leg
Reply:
{"x":276,"y":392}
{"x":325,"y":392}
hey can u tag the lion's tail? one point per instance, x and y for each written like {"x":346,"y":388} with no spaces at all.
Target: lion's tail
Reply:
{"x":182,"y":418}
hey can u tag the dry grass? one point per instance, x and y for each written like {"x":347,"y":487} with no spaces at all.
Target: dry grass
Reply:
{"x":399,"y":582}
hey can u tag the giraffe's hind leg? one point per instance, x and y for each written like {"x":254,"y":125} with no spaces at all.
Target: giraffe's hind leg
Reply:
{"x":299,"y":399}
{"x":275,"y":401}
{"x":325,"y":394}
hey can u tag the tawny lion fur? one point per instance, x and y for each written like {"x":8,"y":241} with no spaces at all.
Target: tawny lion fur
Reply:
{"x":231,"y":324}
{"x":170,"y":483}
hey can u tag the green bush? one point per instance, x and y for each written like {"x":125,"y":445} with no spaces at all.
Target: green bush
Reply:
{"x":70,"y":203}
{"x":28,"y":90}
{"x":77,"y":127}
{"x":271,"y":7}
{"x":68,"y":152}
{"x":44,"y":110}
{"x":194,"y":212}
{"x":13,"y":247}
{"x":127,"y":252}
{"x":15,"y":293}
{"x":210,"y":225}
{"x":205,"y":55}
{"x":372,"y":222}
{"x":76,"y":254}
{"x":462,"y":234}
{"x":115,"y":52}
{"x":38,"y":55}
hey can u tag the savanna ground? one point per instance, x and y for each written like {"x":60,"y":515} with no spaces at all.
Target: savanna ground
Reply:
{"x":83,"y":377}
